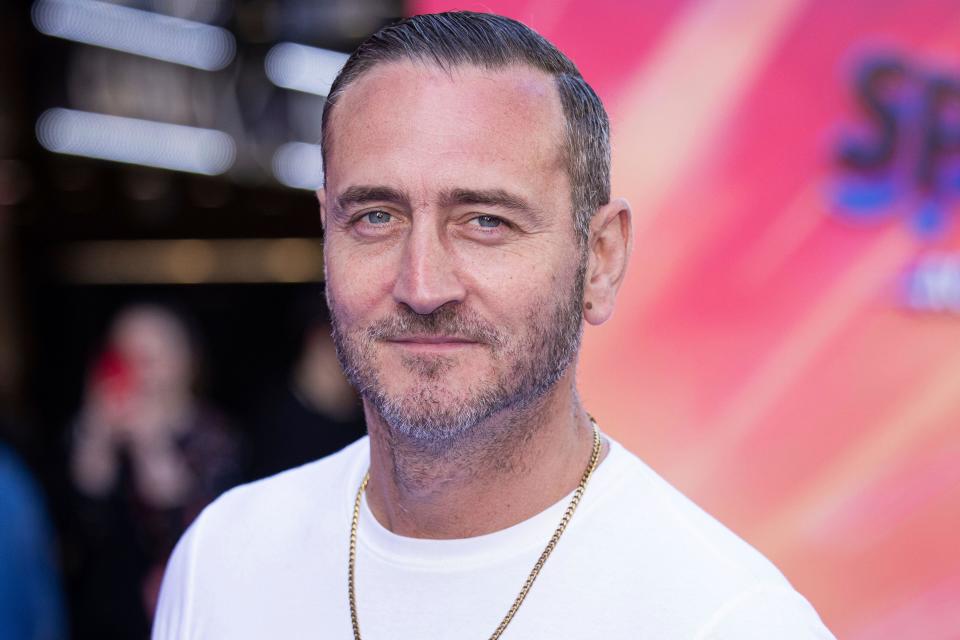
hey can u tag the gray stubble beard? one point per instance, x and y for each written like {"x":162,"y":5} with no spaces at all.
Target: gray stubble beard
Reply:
{"x":428,"y":419}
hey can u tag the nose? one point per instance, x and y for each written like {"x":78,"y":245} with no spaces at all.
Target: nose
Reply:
{"x":428,"y":277}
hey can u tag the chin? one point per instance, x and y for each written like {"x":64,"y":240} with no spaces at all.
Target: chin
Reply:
{"x":429,"y":411}
{"x":429,"y":366}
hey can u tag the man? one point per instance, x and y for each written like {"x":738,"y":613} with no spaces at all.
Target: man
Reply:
{"x":468,"y":233}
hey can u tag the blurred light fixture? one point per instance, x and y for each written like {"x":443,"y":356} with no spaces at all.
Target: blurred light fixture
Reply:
{"x":143,"y":142}
{"x":299,"y":165}
{"x":303,"y":68}
{"x":142,"y":33}
{"x":193,"y":261}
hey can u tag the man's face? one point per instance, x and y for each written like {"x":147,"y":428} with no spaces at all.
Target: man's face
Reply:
{"x":453,"y":272}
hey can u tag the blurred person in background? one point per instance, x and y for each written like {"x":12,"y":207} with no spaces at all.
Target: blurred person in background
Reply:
{"x":146,"y":456}
{"x":31,"y":602}
{"x":313,"y":411}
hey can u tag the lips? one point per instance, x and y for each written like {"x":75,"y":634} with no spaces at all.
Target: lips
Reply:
{"x":432,"y":340}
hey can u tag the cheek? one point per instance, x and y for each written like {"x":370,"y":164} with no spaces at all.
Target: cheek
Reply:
{"x":513,"y":265}
{"x":355,"y":284}
{"x":515,"y":277}
{"x":510,"y":297}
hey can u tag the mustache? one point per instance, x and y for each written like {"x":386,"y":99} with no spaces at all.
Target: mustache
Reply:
{"x":447,"y":320}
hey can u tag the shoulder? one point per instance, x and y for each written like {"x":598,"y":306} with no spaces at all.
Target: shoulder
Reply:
{"x":765,"y":611}
{"x":669,"y":518}
{"x":285,"y":531}
{"x":698,"y":570}
{"x":249,"y":525}
{"x":287,"y":498}
{"x":20,"y":497}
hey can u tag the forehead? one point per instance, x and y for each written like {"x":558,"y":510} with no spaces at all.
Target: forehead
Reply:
{"x":404,"y":116}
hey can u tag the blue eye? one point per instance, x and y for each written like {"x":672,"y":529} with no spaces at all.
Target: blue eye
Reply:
{"x":488,"y":222}
{"x":377,"y":217}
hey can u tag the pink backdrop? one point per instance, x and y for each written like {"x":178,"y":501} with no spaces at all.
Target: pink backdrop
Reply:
{"x":786,"y":348}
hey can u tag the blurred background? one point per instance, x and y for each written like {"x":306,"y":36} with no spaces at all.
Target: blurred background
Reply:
{"x":783,"y":349}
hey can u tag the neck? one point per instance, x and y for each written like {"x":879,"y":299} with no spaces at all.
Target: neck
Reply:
{"x":512,"y":466}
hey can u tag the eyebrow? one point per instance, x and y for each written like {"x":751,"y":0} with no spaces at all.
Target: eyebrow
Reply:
{"x":365,"y":194}
{"x":487,"y":197}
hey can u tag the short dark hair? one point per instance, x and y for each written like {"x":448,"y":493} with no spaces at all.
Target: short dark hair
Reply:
{"x":493,"y":42}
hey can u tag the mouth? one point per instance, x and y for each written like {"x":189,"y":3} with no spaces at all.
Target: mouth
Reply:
{"x":432,"y":344}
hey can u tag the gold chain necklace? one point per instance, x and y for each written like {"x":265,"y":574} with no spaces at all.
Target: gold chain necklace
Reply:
{"x":564,"y":521}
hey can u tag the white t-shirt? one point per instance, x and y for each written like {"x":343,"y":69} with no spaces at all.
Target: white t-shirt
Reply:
{"x":638,"y":560}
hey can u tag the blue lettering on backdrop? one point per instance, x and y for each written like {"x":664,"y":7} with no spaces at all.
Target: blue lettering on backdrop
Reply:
{"x":906,"y":153}
{"x":933,"y":284}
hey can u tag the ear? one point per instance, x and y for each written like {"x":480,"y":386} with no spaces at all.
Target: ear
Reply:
{"x":609,"y":247}
{"x":321,"y":198}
